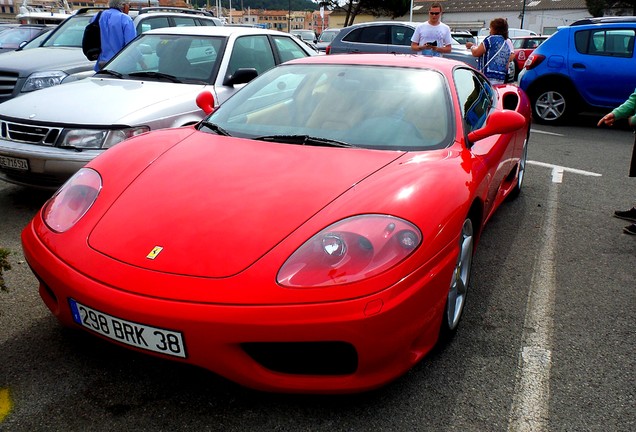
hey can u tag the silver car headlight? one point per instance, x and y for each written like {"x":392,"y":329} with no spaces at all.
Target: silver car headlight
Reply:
{"x":99,"y":138}
{"x":40,"y":80}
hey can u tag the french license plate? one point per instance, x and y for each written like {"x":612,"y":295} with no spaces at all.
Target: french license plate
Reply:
{"x":14,"y":163}
{"x":142,"y":336}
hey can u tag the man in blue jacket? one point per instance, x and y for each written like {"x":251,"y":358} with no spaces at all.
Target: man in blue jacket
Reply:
{"x":116,"y":30}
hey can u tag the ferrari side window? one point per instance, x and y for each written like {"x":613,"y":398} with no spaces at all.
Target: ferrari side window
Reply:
{"x":475,"y":98}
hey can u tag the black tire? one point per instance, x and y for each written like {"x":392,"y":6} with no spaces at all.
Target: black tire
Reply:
{"x":522,"y":169}
{"x":552,"y":106}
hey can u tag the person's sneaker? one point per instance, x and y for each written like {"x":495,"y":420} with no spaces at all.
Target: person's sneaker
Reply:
{"x":629,"y":215}
{"x":631,"y":229}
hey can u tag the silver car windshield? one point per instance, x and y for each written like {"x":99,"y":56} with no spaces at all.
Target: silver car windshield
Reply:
{"x":174,"y":58}
{"x":69,"y":33}
{"x":376,"y":107}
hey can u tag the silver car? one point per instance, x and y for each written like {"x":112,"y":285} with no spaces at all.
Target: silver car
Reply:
{"x":152,"y":83}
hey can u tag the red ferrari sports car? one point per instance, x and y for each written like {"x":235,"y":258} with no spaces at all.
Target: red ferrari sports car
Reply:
{"x":313,"y":234}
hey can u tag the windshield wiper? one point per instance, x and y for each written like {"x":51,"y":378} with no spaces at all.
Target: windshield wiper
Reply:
{"x":214,"y":128}
{"x":305,"y":140}
{"x":109,"y":72}
{"x":158,"y":75}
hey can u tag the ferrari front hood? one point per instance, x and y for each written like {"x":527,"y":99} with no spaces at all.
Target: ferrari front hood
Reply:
{"x":211,"y":206}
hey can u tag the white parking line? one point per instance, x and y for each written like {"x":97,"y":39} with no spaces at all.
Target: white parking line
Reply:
{"x":545,"y":133}
{"x":558,"y":170}
{"x":530,"y":407}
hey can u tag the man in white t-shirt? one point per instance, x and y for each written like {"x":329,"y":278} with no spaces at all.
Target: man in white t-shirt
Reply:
{"x":432,"y":37}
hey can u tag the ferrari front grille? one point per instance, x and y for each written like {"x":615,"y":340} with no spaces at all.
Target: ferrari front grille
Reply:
{"x":305,"y":358}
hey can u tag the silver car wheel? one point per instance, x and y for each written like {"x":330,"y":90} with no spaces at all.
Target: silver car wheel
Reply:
{"x":522,"y":164}
{"x":461,"y":277}
{"x":550,"y":106}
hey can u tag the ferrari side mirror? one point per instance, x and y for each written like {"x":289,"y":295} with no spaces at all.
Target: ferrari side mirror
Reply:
{"x":499,"y":122}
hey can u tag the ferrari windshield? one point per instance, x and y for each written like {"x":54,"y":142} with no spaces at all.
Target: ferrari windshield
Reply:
{"x":366,"y":106}
{"x":172,"y":58}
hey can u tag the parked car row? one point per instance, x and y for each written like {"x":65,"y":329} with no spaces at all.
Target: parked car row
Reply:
{"x":42,"y":145}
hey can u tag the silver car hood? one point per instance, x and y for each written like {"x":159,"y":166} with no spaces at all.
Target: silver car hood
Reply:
{"x":106,"y":101}
{"x":25,"y":62}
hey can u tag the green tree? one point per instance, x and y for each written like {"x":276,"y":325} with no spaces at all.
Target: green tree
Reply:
{"x":390,"y":8}
{"x":597,"y":8}
{"x":352,"y":8}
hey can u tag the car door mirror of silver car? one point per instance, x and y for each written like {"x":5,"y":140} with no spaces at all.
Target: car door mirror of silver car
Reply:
{"x":241,"y":76}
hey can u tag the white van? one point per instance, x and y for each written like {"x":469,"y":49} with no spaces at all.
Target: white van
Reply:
{"x":512,"y":32}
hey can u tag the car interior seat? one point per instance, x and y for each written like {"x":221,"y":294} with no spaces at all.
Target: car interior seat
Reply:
{"x":340,"y":108}
{"x":173,"y":58}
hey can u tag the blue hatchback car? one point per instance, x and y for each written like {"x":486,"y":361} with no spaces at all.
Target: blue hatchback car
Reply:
{"x":586,"y":66}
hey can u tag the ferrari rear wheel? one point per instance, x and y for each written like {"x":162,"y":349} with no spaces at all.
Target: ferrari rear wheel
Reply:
{"x":460,"y":280}
{"x":522,"y":170}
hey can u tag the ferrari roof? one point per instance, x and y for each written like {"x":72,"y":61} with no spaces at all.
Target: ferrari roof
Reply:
{"x":397,"y":60}
{"x":213,"y":31}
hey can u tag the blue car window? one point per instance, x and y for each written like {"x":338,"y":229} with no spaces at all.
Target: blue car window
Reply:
{"x":613,"y":42}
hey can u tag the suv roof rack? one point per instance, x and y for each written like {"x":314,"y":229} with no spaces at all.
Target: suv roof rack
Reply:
{"x":605,"y":19}
{"x":175,"y":9}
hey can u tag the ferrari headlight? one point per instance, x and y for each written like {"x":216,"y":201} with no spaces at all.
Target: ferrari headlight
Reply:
{"x":40,"y":80}
{"x":351,"y":250}
{"x":72,"y":200}
{"x":98,"y":138}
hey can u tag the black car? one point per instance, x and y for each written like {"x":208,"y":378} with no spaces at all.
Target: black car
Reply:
{"x":391,"y":37}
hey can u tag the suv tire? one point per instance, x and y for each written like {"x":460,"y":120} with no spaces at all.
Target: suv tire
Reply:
{"x":552,"y":105}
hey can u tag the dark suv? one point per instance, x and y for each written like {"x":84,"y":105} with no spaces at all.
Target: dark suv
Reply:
{"x":392,"y":37}
{"x":59,"y":58}
{"x":586,"y":66}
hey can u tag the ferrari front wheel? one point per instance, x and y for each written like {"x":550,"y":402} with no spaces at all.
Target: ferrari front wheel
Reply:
{"x":460,"y":280}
